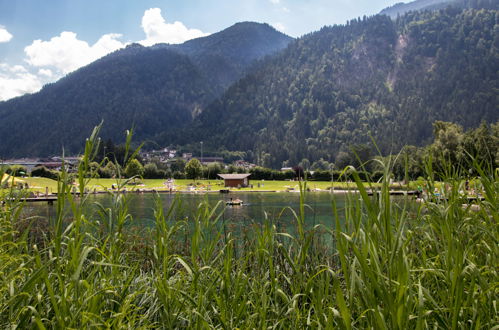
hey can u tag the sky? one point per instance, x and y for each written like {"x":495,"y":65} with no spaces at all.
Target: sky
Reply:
{"x":43,"y":40}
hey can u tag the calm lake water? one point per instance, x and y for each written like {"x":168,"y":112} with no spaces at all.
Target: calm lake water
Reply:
{"x":256,"y":207}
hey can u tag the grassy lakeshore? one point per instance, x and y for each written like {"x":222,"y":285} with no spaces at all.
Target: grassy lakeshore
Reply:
{"x":40,"y":184}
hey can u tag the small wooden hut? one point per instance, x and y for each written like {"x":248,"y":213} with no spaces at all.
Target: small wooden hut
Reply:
{"x":235,"y":180}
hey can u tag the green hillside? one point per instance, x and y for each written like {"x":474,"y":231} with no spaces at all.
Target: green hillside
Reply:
{"x":154,"y":89}
{"x":333,"y":88}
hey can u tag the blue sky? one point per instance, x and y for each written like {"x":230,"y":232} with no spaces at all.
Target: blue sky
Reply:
{"x":40,"y":41}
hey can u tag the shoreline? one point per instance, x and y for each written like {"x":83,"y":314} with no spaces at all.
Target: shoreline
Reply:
{"x":152,"y":191}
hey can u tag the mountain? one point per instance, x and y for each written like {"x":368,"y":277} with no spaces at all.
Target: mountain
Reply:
{"x":330,"y":89}
{"x":401,"y":8}
{"x":155,"y":89}
{"x":224,"y":57}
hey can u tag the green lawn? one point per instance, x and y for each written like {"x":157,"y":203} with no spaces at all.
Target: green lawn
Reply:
{"x":40,"y":184}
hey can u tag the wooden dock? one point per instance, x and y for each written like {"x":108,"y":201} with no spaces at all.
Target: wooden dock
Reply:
{"x":49,"y":199}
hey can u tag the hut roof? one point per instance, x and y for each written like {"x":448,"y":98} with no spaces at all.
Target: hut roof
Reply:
{"x":234,"y":176}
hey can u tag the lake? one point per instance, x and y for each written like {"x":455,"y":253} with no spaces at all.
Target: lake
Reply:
{"x":256,"y":207}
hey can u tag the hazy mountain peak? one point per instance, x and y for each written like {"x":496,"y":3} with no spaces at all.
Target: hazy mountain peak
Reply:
{"x":402,"y":8}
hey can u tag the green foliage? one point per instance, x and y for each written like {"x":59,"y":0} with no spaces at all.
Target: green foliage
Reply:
{"x":108,"y":171}
{"x":193,"y":169}
{"x":134,"y":168}
{"x":178,"y":175}
{"x":178,"y":165}
{"x":17,"y":170}
{"x":262,"y":173}
{"x":321,"y":164}
{"x":151,"y":171}
{"x":212,"y":170}
{"x":43,"y":172}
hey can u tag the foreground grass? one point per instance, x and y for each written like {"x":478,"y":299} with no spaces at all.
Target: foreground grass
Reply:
{"x":381,"y":266}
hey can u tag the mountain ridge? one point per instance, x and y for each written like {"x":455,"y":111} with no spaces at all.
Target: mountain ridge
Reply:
{"x":153,"y":88}
{"x":328,"y":90}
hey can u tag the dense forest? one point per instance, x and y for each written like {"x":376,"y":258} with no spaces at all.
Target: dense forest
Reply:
{"x":154,"y":89}
{"x":371,"y":79}
{"x":402,"y":8}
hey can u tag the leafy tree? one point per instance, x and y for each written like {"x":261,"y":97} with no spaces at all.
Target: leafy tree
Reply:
{"x":134,"y":168}
{"x":178,"y":165}
{"x":447,"y":148}
{"x":305,"y":163}
{"x":231,"y":168}
{"x":108,"y":171}
{"x":178,"y":175}
{"x":482,"y":144}
{"x":43,"y":172}
{"x":151,"y":172}
{"x":193,"y":169}
{"x":212,"y":170}
{"x":321,"y":164}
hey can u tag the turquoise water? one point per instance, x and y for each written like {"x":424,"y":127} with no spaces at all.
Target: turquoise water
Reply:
{"x":240,"y":220}
{"x":256,"y":208}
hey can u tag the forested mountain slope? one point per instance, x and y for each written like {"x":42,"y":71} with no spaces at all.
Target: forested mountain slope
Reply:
{"x":225,"y":56}
{"x":330,"y":89}
{"x":401,"y":8}
{"x":154,"y":89}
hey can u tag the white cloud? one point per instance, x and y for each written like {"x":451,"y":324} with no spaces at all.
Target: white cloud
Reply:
{"x":5,"y":36}
{"x":67,"y":53}
{"x":157,"y":30}
{"x":45,"y":72}
{"x":51,"y":59}
{"x":16,"y":80}
{"x":279,"y":26}
{"x":275,"y":2}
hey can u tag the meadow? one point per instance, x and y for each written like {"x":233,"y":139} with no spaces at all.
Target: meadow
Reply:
{"x":382,"y":265}
{"x":37,"y":184}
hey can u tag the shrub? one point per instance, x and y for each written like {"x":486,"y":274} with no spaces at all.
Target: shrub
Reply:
{"x":134,"y":168}
{"x":178,"y":175}
{"x":193,"y":169}
{"x":43,"y":172}
{"x":151,"y":172}
{"x":17,"y":170}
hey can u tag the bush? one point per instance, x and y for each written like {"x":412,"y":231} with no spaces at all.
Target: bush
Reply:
{"x":178,"y":175}
{"x":43,"y":172}
{"x":211,"y":171}
{"x":321,"y":175}
{"x":151,"y":172}
{"x":17,"y":170}
{"x":108,"y":171}
{"x":193,"y":169}
{"x":134,"y":168}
